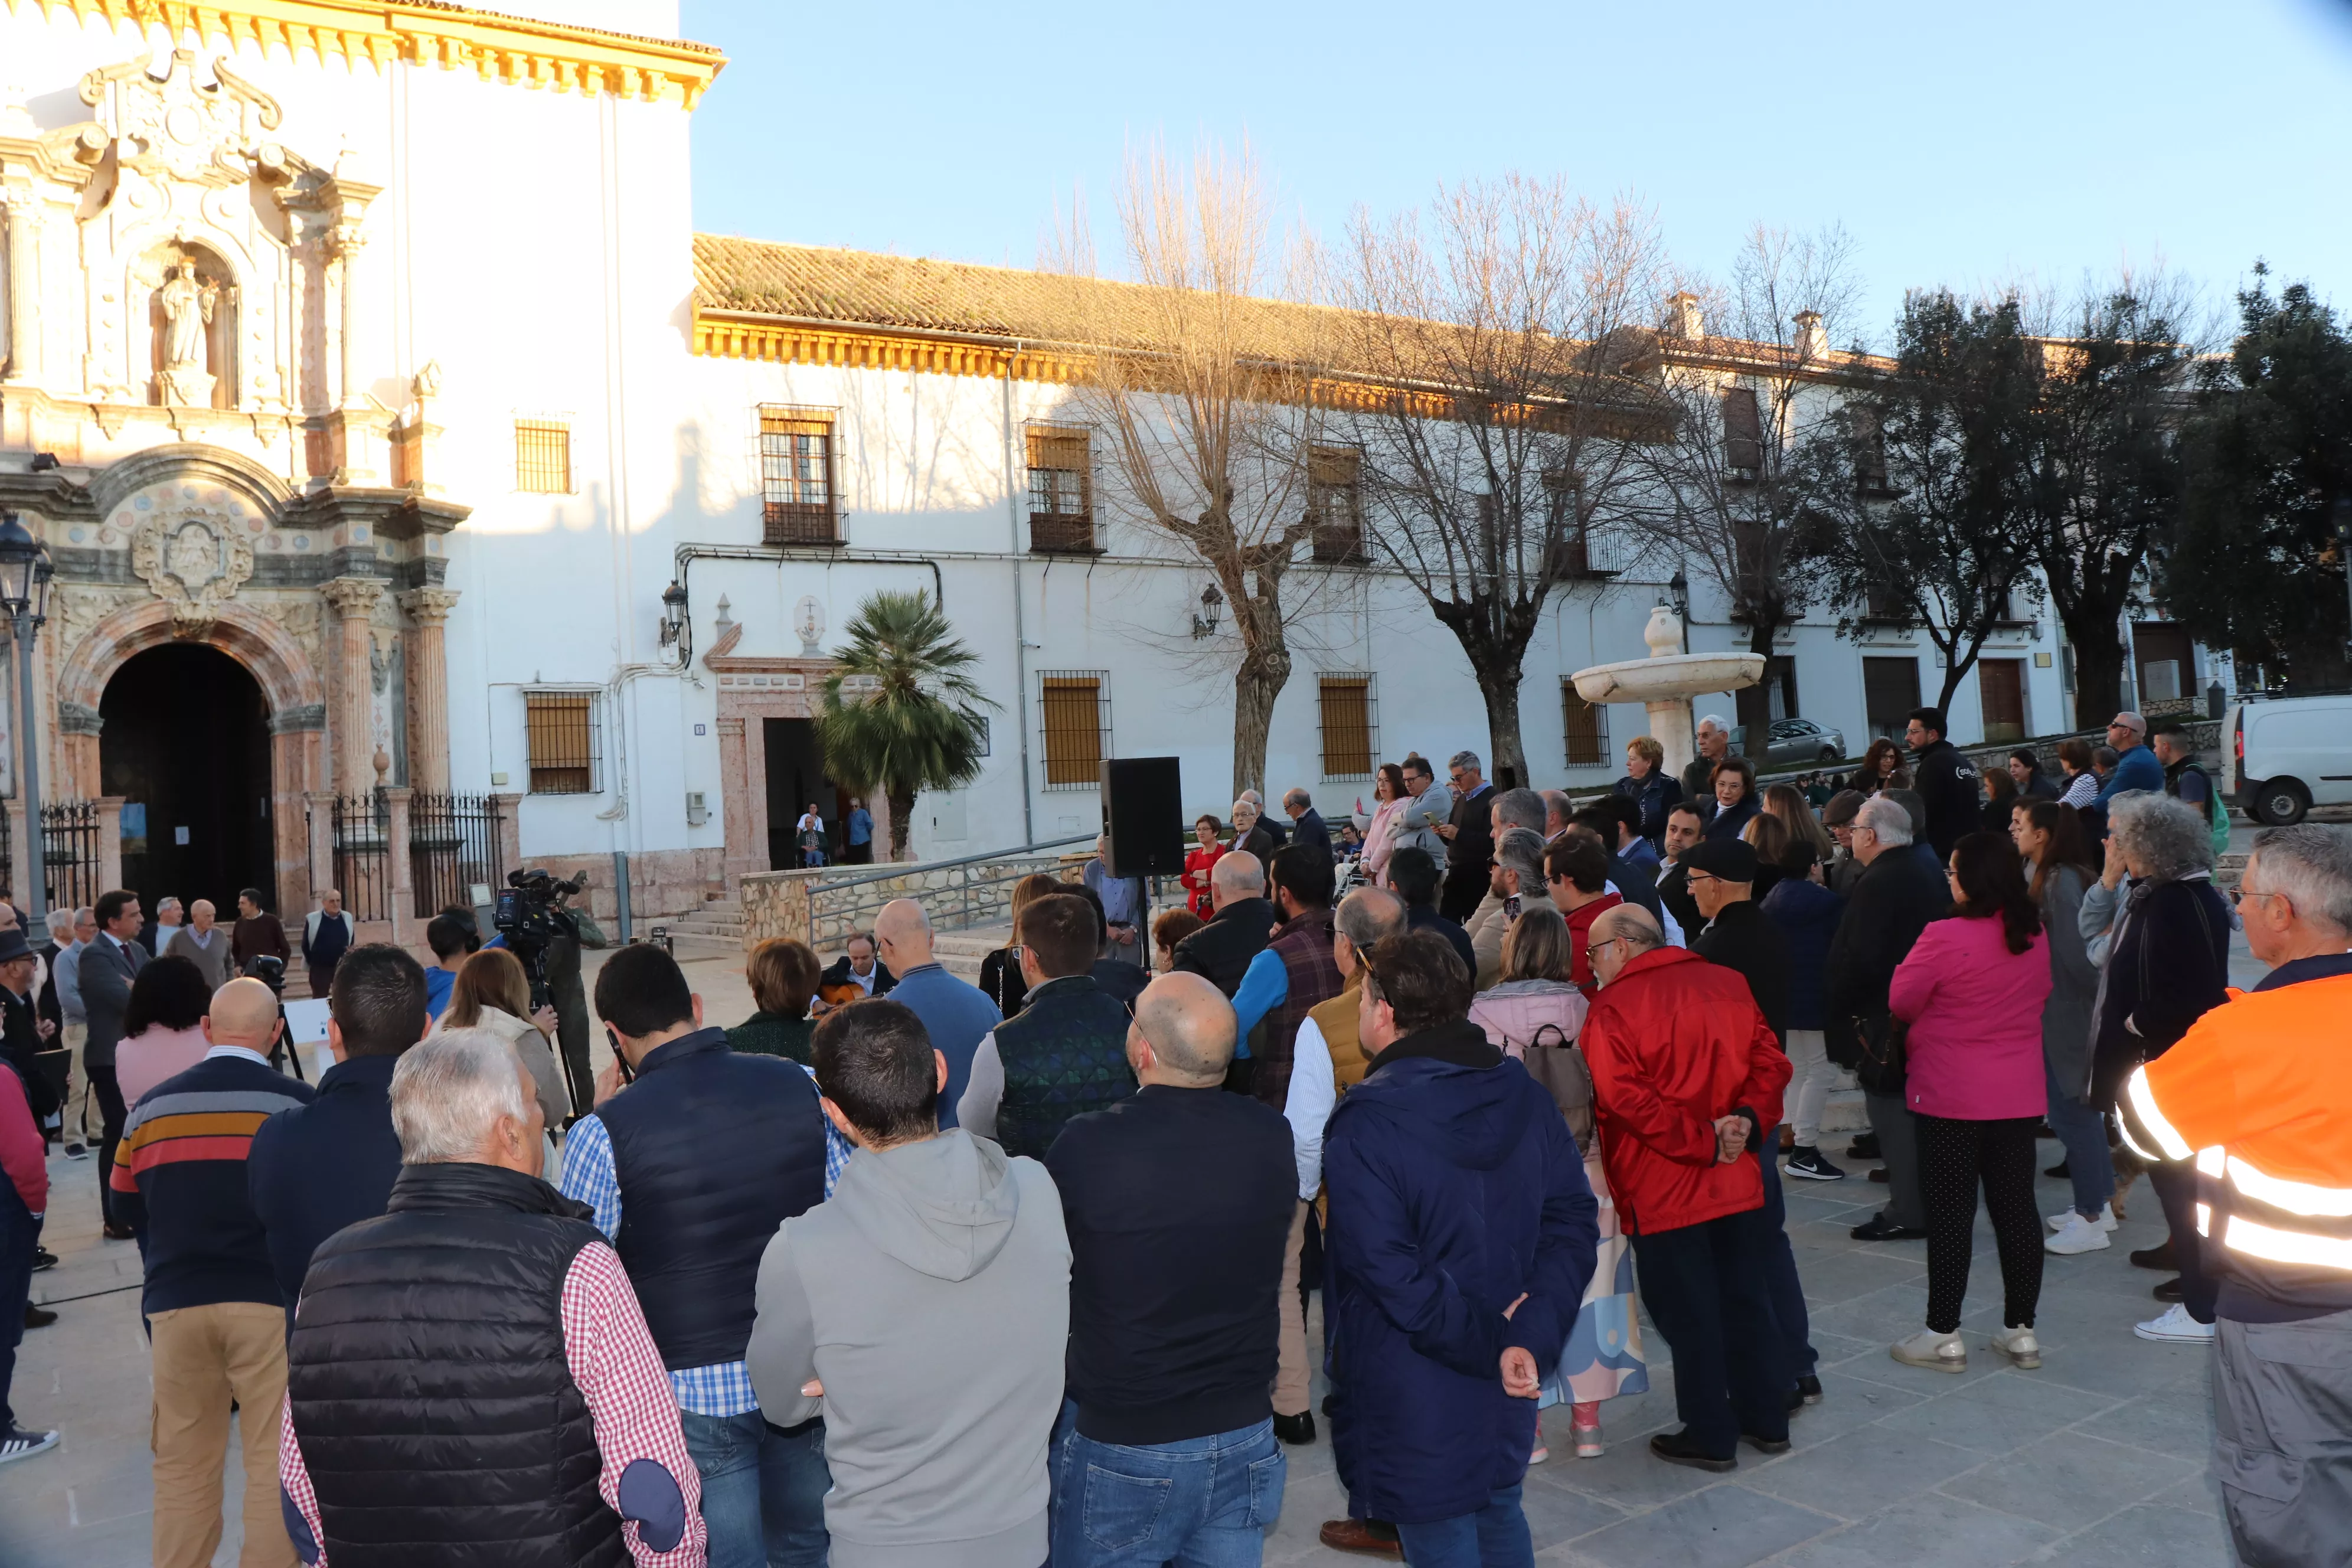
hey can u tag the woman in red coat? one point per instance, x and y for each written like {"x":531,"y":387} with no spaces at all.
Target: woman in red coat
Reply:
{"x":1198,"y":863}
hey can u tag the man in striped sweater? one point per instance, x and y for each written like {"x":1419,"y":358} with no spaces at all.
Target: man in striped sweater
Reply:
{"x":212,"y":1297}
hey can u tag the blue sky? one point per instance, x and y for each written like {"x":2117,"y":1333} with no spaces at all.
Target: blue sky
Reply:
{"x":1967,"y":145}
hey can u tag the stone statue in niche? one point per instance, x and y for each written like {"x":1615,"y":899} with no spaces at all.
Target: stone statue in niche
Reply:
{"x":187,"y":306}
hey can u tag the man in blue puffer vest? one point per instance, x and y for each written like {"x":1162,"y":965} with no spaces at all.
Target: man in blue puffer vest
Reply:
{"x":690,"y":1168}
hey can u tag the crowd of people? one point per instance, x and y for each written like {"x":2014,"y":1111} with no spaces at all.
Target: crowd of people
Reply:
{"x":1496,"y":1073}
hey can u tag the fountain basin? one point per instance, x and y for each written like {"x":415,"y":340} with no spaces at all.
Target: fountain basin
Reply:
{"x":1663,"y":677}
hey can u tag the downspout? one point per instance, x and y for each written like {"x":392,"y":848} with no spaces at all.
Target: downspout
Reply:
{"x":1019,"y":632}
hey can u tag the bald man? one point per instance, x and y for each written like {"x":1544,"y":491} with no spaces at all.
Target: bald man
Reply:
{"x":957,"y":1016}
{"x":1177,"y":1202}
{"x":1243,"y":921}
{"x":212,"y":1297}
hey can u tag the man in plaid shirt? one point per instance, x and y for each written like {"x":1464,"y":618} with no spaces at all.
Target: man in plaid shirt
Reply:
{"x":689,"y":1168}
{"x":517,"y":1352}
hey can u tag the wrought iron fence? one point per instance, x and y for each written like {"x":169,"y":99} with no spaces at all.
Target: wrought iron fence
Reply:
{"x":69,"y":853}
{"x":452,"y":845}
{"x":363,"y":856}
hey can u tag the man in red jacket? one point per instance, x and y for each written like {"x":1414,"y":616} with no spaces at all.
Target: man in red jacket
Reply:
{"x":1685,"y":1075}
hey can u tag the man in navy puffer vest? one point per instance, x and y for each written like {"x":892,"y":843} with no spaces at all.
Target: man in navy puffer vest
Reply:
{"x":690,"y":1168}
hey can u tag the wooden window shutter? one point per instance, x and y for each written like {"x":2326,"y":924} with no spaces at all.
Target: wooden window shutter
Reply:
{"x":1743,"y":430}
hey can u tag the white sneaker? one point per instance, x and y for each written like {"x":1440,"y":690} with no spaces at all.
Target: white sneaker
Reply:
{"x":2078,"y":1235}
{"x":2019,"y":1345}
{"x":1937,"y":1352}
{"x":2064,"y":1217}
{"x":2176,"y":1327}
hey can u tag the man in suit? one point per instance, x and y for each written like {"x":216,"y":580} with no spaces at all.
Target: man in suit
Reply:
{"x":1306,"y":822}
{"x":109,"y":964}
{"x":1685,"y":828}
{"x":1469,"y":837}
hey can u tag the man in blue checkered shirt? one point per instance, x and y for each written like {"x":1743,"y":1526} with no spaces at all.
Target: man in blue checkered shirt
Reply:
{"x":690,"y":1168}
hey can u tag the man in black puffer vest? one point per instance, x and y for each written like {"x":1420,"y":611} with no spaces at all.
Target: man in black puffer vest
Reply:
{"x":470,"y":1380}
{"x":1064,"y":1053}
{"x":690,"y":1169}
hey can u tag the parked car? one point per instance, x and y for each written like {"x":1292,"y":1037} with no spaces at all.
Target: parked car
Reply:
{"x":2287,"y":754}
{"x":1796,"y":741}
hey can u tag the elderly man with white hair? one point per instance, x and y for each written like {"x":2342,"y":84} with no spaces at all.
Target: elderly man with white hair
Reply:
{"x":1896,"y":895}
{"x":479,"y":1331}
{"x":1698,"y":778}
{"x":202,"y":944}
{"x":2250,"y":1106}
{"x":1515,"y":886}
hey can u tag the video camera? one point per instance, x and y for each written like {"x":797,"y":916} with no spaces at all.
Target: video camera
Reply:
{"x":529,"y":915}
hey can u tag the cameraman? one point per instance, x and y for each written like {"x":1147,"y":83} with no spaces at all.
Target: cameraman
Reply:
{"x":534,"y":924}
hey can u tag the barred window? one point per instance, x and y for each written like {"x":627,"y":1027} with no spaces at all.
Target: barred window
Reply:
{"x":1335,"y":503}
{"x":1061,"y":489}
{"x":1743,"y":432}
{"x":1350,"y":726}
{"x":1586,"y":725}
{"x":797,"y":487}
{"x":1074,"y":706}
{"x":563,"y":734}
{"x":544,"y":456}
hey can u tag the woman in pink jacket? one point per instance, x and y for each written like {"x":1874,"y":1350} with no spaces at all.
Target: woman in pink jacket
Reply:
{"x":1972,"y":992}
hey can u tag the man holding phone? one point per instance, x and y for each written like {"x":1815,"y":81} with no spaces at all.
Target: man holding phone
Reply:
{"x":694,"y":1155}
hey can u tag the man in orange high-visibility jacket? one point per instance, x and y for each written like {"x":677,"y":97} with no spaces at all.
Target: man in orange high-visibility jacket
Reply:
{"x":2259,"y":1096}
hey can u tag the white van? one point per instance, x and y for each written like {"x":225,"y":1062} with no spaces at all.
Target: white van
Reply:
{"x":2286,"y":755}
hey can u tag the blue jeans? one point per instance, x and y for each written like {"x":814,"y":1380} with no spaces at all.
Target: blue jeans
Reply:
{"x":762,"y":1489}
{"x":1204,"y":1502}
{"x":1780,"y":1282}
{"x":2083,"y":1133}
{"x":1495,"y":1537}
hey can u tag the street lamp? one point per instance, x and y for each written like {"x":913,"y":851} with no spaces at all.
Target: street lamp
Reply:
{"x":25,"y":575}
{"x":1204,"y":623}
{"x":672,"y":624}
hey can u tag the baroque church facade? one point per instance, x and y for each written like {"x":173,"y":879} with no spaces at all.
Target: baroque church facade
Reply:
{"x":392,"y":429}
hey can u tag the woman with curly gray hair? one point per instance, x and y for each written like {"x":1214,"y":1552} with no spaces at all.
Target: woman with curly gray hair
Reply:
{"x":2167,"y":962}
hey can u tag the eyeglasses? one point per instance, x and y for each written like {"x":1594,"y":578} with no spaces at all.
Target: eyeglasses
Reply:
{"x":2240,"y":893}
{"x":1696,"y":877}
{"x":1594,"y":950}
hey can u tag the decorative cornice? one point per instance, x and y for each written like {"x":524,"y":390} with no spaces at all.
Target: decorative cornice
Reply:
{"x":294,"y":720}
{"x":517,"y":50}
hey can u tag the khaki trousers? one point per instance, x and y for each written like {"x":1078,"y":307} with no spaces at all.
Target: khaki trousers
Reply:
{"x":1293,"y":1372}
{"x":73,"y":1037}
{"x":204,"y":1357}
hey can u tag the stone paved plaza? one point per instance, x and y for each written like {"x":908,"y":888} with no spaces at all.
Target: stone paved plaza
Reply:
{"x":2097,"y":1460}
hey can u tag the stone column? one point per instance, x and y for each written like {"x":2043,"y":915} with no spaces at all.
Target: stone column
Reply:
{"x":428,"y":688}
{"x":404,"y":927}
{"x":109,"y":843}
{"x":509,"y":810}
{"x":24,"y":287}
{"x":355,"y":599}
{"x":746,"y":849}
{"x":321,"y":805}
{"x":344,"y":243}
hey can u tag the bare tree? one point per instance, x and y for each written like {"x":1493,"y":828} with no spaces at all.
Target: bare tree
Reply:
{"x":1201,"y":388}
{"x":1477,"y":380}
{"x":1742,"y":366}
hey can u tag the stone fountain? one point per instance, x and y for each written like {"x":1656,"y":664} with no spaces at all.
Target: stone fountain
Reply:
{"x":1666,"y":681}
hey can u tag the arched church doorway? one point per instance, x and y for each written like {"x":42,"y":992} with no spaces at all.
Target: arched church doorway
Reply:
{"x":186,"y":745}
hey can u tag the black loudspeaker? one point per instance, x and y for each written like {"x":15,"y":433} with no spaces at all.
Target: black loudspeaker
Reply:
{"x":1143,"y":813}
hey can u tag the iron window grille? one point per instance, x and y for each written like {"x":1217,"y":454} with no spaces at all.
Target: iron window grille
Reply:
{"x":1335,"y":504}
{"x":565,"y":735}
{"x":544,"y":456}
{"x":1585,"y":727}
{"x":1351,"y":721}
{"x":799,"y":487}
{"x":1061,"y":490}
{"x":1074,"y":712}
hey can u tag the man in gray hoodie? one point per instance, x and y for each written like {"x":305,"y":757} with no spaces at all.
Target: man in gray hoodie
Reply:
{"x":871,"y":1303}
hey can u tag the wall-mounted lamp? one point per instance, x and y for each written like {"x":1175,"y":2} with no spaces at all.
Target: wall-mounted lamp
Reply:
{"x":1679,"y":586}
{"x":1212,"y":605}
{"x":673,"y":623}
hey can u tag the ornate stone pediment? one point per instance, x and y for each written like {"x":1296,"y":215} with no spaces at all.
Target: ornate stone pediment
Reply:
{"x":195,"y":561}
{"x":177,"y":128}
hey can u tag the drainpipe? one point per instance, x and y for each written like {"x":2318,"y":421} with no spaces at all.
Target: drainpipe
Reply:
{"x":1019,"y":632}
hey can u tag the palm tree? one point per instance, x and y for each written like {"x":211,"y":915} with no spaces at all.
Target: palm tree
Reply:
{"x":900,"y":712}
